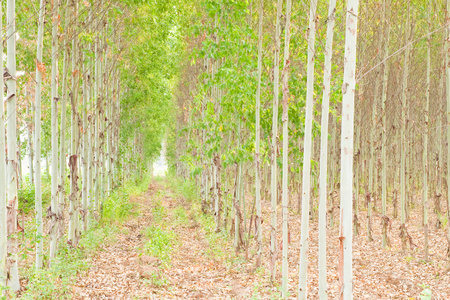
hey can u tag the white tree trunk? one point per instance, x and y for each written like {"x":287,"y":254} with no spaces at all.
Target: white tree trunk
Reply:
{"x":54,"y":126}
{"x":285,"y":120}
{"x":257,"y":141}
{"x":12,"y":166}
{"x":274,"y":173}
{"x":307,"y":154}
{"x":384,"y":161}
{"x":324,"y":152}
{"x":348,"y":107}
{"x":447,"y":82}
{"x":37,"y":135}
{"x":403,"y":138}
{"x":3,"y":203}
{"x":425,"y":139}
{"x":62,"y":138}
{"x":73,"y":159}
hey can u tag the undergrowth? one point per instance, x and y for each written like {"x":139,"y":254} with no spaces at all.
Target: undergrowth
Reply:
{"x":56,"y":281}
{"x":117,"y":206}
{"x":160,"y":243}
{"x":218,"y":241}
{"x":26,"y":194}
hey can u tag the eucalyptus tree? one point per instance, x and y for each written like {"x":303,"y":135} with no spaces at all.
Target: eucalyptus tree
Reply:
{"x":324,"y":152}
{"x":447,"y":88}
{"x":274,"y":150}
{"x":3,"y":202}
{"x":54,"y":209}
{"x":403,"y":233}
{"x":62,"y":136}
{"x":348,"y":106}
{"x":75,"y":138}
{"x":425,"y":139}
{"x":37,"y":135}
{"x":307,"y":148}
{"x":285,"y":119}
{"x":12,"y":165}
{"x":258,"y":138}
{"x":385,"y":219}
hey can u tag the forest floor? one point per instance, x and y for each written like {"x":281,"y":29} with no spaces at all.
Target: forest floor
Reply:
{"x":169,"y":250}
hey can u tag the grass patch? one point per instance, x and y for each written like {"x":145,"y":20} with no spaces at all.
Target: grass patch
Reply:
{"x":117,"y":207}
{"x":180,"y":216}
{"x":56,"y":281}
{"x":26,"y":194}
{"x":158,"y":212}
{"x":160,"y":243}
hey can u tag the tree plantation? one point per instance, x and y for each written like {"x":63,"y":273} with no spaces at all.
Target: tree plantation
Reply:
{"x":307,"y":147}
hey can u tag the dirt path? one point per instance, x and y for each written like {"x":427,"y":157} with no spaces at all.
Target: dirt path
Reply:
{"x":201,"y":264}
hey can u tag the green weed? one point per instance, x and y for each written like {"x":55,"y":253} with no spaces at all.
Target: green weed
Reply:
{"x":180,"y":216}
{"x":158,"y":212}
{"x":426,"y":292}
{"x":26,"y":194}
{"x":117,"y":206}
{"x":160,"y":243}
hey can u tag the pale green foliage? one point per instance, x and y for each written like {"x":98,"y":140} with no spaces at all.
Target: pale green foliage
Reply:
{"x":160,"y":243}
{"x":426,"y":292}
{"x":118,"y":206}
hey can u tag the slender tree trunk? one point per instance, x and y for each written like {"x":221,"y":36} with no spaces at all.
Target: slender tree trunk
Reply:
{"x":3,"y":182}
{"x":384,"y":162}
{"x":447,"y":82}
{"x":425,"y":139}
{"x":348,"y":106}
{"x":274,"y":173}
{"x":37,"y":135}
{"x":257,"y":141}
{"x":54,"y":139}
{"x":403,"y":195}
{"x":62,"y":138}
{"x":306,"y":179}
{"x":75,"y":138}
{"x":285,"y":119}
{"x":12,"y":165}
{"x":323,"y":153}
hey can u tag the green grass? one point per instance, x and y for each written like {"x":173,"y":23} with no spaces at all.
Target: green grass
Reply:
{"x":180,"y":216}
{"x":56,"y":281}
{"x":26,"y":194}
{"x":117,"y":206}
{"x":160,"y":243}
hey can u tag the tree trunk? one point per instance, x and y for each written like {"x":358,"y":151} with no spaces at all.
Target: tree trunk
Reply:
{"x":257,"y":142}
{"x":306,"y":179}
{"x":323,"y":153}
{"x":447,"y":82}
{"x":12,"y":165}
{"x":403,"y":195}
{"x":425,"y":140}
{"x":348,"y":105}
{"x":37,"y":135}
{"x":384,"y":162}
{"x":3,"y":183}
{"x":274,"y":173}
{"x":285,"y":120}
{"x":62,"y":138}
